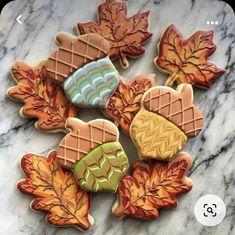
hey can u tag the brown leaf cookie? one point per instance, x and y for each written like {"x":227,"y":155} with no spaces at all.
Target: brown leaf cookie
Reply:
{"x":73,"y":53}
{"x":124,"y":104}
{"x":126,"y":36}
{"x":151,"y":186}
{"x":165,"y":122}
{"x":56,"y":192}
{"x":42,"y":99}
{"x":186,"y":60}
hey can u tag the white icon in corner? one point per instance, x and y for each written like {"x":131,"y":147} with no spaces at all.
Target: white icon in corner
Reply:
{"x":210,"y":210}
{"x":212,"y":22}
{"x":18,"y":19}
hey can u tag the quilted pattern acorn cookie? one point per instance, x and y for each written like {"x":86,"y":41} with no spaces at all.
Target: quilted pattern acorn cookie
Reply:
{"x":82,"y":66}
{"x":186,"y":60}
{"x":165,"y":122}
{"x":93,"y":152}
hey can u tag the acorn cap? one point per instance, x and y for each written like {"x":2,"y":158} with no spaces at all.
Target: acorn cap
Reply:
{"x":83,"y":138}
{"x":176,"y":106}
{"x":73,"y":53}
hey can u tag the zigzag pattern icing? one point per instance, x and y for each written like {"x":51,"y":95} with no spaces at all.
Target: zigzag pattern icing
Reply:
{"x":93,"y":84}
{"x":102,"y":168}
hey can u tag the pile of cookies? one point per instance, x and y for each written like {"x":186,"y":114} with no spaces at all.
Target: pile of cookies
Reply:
{"x":158,"y":119}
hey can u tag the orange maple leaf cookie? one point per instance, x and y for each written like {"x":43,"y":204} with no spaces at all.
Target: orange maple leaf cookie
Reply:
{"x":166,"y":120}
{"x":126,"y":36}
{"x":186,"y":60}
{"x":42,"y":99}
{"x":56,"y":192}
{"x":151,"y":186}
{"x":124,"y":104}
{"x":93,"y":152}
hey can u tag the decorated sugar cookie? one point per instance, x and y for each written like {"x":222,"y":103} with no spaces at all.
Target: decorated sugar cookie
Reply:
{"x":124,"y":104}
{"x":93,"y":152}
{"x":43,"y":99}
{"x":186,"y":60}
{"x":56,"y":192}
{"x":126,"y":35}
{"x":165,"y":122}
{"x":73,"y":53}
{"x":82,"y":66}
{"x":151,"y":186}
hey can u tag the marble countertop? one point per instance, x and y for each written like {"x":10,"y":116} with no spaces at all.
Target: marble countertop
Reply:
{"x":213,"y":150}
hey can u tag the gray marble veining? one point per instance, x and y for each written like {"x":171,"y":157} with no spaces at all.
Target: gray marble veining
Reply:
{"x":213,"y":150}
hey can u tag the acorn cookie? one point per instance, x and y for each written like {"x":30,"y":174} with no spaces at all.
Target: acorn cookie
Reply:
{"x":165,"y":122}
{"x":82,"y":66}
{"x":93,"y":152}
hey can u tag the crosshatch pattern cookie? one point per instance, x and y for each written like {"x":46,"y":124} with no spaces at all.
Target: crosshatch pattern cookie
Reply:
{"x":73,"y":53}
{"x":83,"y":138}
{"x":165,"y":122}
{"x":126,"y":36}
{"x":186,"y":60}
{"x":124,"y":104}
{"x":94,"y":153}
{"x":151,"y":186}
{"x":56,"y":192}
{"x":42,"y":99}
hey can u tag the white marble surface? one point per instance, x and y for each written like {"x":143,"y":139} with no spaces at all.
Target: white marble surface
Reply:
{"x":213,"y":151}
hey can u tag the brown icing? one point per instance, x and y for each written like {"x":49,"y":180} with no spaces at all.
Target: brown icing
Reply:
{"x":73,"y":53}
{"x":176,"y":106}
{"x":84,"y":137}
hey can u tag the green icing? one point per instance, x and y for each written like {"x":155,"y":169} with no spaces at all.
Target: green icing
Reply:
{"x":102,"y":168}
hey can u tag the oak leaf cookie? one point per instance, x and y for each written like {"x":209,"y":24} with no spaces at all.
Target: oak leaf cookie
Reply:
{"x":151,"y":186}
{"x":186,"y":60}
{"x":165,"y":122}
{"x":124,"y":104}
{"x":56,"y":192}
{"x":93,"y":152}
{"x":43,"y":99}
{"x":82,"y":66}
{"x":126,"y":35}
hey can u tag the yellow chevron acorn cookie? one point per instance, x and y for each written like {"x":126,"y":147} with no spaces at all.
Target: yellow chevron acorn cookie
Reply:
{"x":165,"y":122}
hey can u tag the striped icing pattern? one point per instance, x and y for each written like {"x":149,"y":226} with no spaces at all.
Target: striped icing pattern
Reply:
{"x":93,"y":84}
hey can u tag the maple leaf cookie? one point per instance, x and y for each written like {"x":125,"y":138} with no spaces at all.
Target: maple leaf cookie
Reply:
{"x":126,"y":35}
{"x":151,"y":186}
{"x":93,"y":152}
{"x":186,"y":60}
{"x":82,"y":66}
{"x":166,"y":120}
